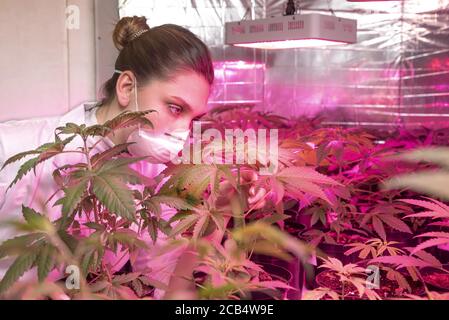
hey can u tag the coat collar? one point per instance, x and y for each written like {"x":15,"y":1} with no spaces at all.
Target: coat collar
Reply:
{"x":77,"y":115}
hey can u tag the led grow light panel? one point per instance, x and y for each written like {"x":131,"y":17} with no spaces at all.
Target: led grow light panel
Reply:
{"x":308,"y":30}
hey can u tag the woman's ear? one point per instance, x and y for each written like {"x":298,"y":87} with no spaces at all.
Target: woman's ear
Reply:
{"x":124,"y":88}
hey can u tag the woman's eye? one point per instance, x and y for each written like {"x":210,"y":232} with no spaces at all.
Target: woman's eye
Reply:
{"x":176,"y":110}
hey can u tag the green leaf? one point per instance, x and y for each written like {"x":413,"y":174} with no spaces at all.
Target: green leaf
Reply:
{"x":115,"y":196}
{"x":97,"y":130}
{"x":118,"y":163}
{"x":129,"y":119}
{"x":179,"y":216}
{"x":164,"y":226}
{"x":87,"y":261}
{"x":18,"y":157}
{"x":125,"y":278}
{"x":154,"y":203}
{"x":128,"y":237}
{"x":22,"y":264}
{"x":95,"y":226}
{"x":195,"y":178}
{"x":201,"y":226}
{"x":24,"y":169}
{"x":70,"y":241}
{"x":184,"y":225}
{"x":45,"y":262}
{"x":98,"y":159}
{"x":152,"y":228}
{"x":73,"y":196}
{"x":19,"y":244}
{"x":69,"y":128}
{"x":37,"y":221}
{"x":294,"y":174}
{"x":275,"y":218}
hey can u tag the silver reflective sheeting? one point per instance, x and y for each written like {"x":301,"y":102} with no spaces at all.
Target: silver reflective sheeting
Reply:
{"x":398,"y":72}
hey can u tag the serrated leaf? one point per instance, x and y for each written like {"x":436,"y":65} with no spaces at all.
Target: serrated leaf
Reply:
{"x":115,"y":196}
{"x":137,"y":286}
{"x":164,"y":226}
{"x":21,"y":265}
{"x":96,"y":130}
{"x":45,"y":262}
{"x":379,"y":228}
{"x":18,"y":157}
{"x":153,"y":282}
{"x":24,"y":169}
{"x":125,"y":278}
{"x":129,"y":238}
{"x":294,"y":174}
{"x":36,"y":221}
{"x":154,"y":203}
{"x":19,"y":244}
{"x":395,"y":223}
{"x":87,"y":261}
{"x":129,"y":119}
{"x":69,"y":128}
{"x":73,"y":196}
{"x":428,"y":258}
{"x":111,"y":165}
{"x":201,"y":226}
{"x":98,"y":159}
{"x":430,"y":243}
{"x":402,"y":261}
{"x":100,"y":286}
{"x":184,"y":225}
{"x":152,"y":228}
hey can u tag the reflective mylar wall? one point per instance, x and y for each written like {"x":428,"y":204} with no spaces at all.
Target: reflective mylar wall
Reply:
{"x":397,"y":73}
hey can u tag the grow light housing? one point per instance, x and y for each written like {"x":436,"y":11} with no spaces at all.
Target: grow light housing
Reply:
{"x":293,"y":31}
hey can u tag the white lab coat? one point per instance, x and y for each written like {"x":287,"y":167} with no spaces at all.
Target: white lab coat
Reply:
{"x":34,"y":190}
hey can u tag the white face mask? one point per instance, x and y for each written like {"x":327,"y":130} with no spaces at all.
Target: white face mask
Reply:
{"x":157,"y":147}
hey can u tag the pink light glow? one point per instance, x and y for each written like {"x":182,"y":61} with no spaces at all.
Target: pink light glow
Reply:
{"x":288,"y":44}
{"x":238,"y":64}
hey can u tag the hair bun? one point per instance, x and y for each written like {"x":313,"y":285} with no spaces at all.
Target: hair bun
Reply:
{"x":128,"y":29}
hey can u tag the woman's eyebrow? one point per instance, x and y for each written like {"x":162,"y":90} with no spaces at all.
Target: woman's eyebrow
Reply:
{"x":182,"y":102}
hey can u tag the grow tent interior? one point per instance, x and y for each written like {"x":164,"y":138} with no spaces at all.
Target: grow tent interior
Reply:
{"x":397,"y":74}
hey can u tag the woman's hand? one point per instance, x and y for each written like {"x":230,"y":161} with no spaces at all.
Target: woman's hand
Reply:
{"x":256,"y":195}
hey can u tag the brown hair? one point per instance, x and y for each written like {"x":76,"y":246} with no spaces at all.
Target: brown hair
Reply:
{"x":156,"y":53}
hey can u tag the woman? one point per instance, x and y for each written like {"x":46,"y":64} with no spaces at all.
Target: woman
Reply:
{"x":166,"y":69}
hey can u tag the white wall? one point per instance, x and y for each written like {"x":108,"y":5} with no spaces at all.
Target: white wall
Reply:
{"x":46,"y":69}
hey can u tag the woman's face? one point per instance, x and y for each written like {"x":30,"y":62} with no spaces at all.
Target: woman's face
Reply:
{"x":176,"y":102}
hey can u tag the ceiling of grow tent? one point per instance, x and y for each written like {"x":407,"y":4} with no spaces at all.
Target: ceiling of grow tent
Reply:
{"x":397,"y":73}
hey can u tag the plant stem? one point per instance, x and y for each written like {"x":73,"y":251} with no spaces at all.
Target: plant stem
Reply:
{"x":87,"y":154}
